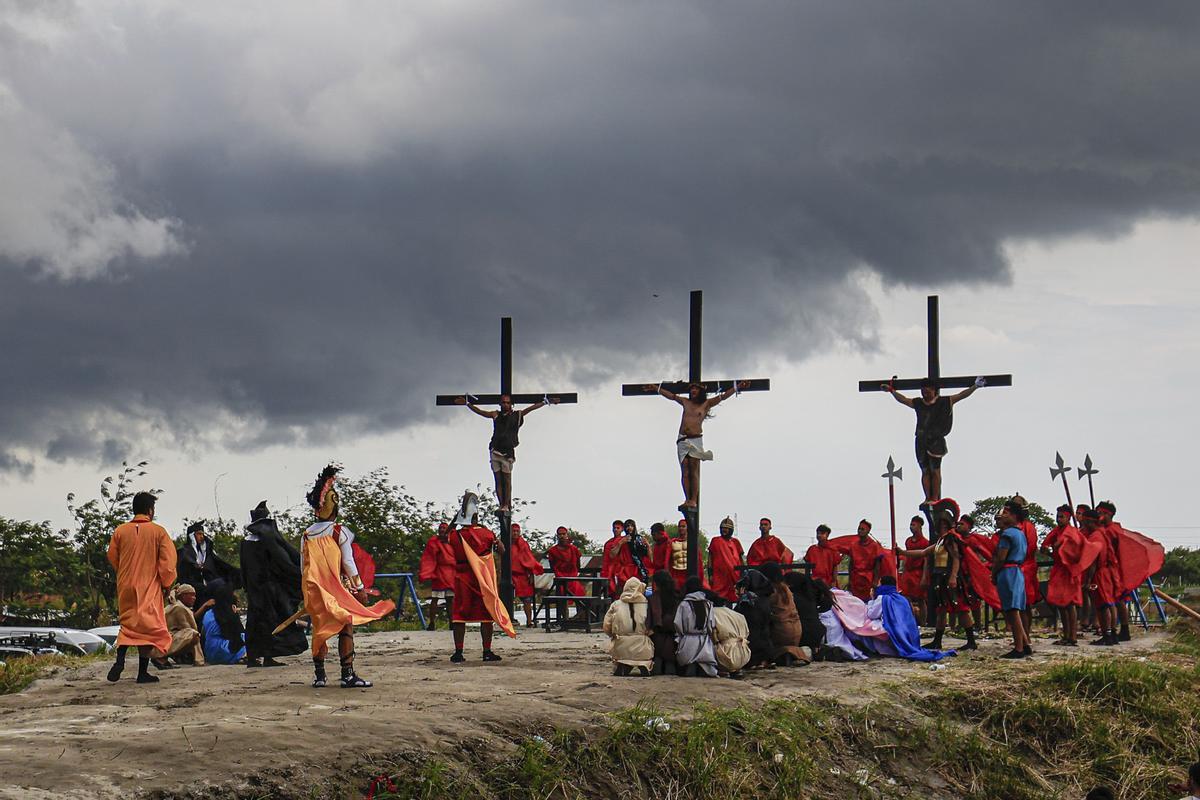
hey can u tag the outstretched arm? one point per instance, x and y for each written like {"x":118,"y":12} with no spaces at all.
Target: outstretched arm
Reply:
{"x":539,"y":404}
{"x":480,"y":411}
{"x":890,"y":389}
{"x":728,"y":393}
{"x":967,"y":392}
{"x":922,"y":551}
{"x":667,"y":393}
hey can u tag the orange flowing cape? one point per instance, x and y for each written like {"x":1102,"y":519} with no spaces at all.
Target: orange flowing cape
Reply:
{"x":327,"y":601}
{"x":484,"y":569}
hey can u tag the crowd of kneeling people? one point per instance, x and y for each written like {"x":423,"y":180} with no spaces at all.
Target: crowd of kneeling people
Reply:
{"x":776,"y":621}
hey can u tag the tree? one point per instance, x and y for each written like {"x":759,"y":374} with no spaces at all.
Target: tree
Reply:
{"x":985,"y":512}
{"x":35,"y":560}
{"x":1181,"y":564}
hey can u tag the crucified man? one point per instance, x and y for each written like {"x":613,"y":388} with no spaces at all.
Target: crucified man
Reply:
{"x":935,"y":416}
{"x":503,"y":446}
{"x":689,"y":446}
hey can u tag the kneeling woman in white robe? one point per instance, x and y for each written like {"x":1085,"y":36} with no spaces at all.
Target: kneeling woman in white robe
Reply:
{"x":625,"y":623}
{"x":694,"y":629}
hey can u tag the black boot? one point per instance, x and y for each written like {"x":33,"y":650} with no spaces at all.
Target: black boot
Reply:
{"x":144,"y":675}
{"x":1124,"y":636}
{"x":114,"y":673}
{"x":319,"y":679}
{"x":971,"y":644}
{"x":936,"y":642}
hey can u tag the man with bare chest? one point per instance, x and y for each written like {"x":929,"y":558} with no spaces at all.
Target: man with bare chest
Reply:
{"x":689,"y":444}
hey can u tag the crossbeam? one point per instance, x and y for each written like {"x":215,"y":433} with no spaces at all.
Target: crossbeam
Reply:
{"x":934,"y":366}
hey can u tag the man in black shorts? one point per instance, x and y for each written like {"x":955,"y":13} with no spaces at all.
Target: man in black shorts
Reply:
{"x":502,"y":448}
{"x":935,"y":416}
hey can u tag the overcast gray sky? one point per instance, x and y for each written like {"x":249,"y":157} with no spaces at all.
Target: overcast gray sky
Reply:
{"x":242,"y":240}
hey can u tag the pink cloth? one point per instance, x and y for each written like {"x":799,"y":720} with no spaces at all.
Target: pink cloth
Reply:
{"x":852,"y":613}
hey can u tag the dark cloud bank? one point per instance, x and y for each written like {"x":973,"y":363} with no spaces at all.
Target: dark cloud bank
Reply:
{"x":348,"y":254}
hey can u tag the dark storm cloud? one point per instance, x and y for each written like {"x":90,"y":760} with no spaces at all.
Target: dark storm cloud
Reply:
{"x":362,"y":194}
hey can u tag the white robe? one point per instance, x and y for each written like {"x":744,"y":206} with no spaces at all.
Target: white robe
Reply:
{"x":693,"y":643}
{"x":835,"y":636}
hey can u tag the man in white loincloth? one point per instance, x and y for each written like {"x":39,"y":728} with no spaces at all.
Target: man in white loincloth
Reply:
{"x":689,"y":445}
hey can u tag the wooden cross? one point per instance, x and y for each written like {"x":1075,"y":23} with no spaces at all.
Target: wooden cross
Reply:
{"x":506,"y":361}
{"x":935,"y":366}
{"x":695,"y":336}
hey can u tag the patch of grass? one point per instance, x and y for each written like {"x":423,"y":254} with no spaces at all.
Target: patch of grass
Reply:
{"x":390,"y":624}
{"x":1025,"y":732}
{"x":18,"y":673}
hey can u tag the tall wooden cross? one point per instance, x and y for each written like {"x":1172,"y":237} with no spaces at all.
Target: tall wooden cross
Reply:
{"x":695,"y":337}
{"x":506,"y":361}
{"x":935,"y":365}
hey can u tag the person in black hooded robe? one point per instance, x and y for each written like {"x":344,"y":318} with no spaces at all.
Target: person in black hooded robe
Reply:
{"x":271,"y":574}
{"x":812,"y":597}
{"x":199,"y":566}
{"x":754,"y":603}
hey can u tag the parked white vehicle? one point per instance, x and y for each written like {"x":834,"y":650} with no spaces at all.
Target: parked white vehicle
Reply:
{"x":67,"y":640}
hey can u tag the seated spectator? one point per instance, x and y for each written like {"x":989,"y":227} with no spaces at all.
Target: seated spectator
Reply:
{"x":629,"y":638}
{"x":811,"y":596}
{"x":1192,"y":787}
{"x":733,"y":641}
{"x":754,"y":603}
{"x":694,"y":626}
{"x":663,"y":603}
{"x":186,"y":645}
{"x":224,"y":636}
{"x":786,"y":630}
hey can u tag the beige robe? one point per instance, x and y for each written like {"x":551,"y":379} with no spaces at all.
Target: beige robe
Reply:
{"x":625,"y":623}
{"x":185,"y":633}
{"x":732,"y":639}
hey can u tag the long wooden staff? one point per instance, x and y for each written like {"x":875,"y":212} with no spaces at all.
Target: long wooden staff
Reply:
{"x":300,"y":614}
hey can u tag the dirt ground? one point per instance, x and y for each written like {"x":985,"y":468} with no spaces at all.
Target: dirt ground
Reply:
{"x":73,"y":734}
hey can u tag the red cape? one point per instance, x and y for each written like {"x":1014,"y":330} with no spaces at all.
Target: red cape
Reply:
{"x":1138,"y":557}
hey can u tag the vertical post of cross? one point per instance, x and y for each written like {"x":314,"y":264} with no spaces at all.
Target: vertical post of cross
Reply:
{"x":695,"y":350}
{"x":931,"y":323}
{"x":506,"y":580}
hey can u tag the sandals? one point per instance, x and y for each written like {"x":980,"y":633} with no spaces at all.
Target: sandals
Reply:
{"x":319,"y":682}
{"x":354,"y":682}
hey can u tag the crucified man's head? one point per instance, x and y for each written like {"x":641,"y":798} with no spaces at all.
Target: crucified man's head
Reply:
{"x":929,"y":391}
{"x":505,"y":403}
{"x":697,"y":393}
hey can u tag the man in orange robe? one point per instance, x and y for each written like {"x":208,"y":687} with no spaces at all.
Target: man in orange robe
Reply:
{"x":724,"y":557}
{"x":524,"y":568}
{"x":144,"y":556}
{"x":824,"y":558}
{"x":437,"y":569}
{"x":326,"y":555}
{"x":766,"y":548}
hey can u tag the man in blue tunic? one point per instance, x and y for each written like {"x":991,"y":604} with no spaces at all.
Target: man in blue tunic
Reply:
{"x":1008,"y":577}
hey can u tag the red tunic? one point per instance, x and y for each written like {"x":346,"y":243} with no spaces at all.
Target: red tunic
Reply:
{"x":617,"y":564}
{"x":824,"y":562}
{"x":468,"y":605}
{"x":914,"y":567}
{"x":764,"y":549}
{"x":437,"y":564}
{"x":524,"y":567}
{"x":1029,"y":567}
{"x":725,"y":555}
{"x":660,"y":555}
{"x":1070,"y":548}
{"x":564,"y":563}
{"x":862,"y":567}
{"x":1105,"y":593}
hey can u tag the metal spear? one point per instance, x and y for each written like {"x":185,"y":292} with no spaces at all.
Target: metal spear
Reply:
{"x":1060,"y":471}
{"x":1087,"y":470}
{"x":893,"y":473}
